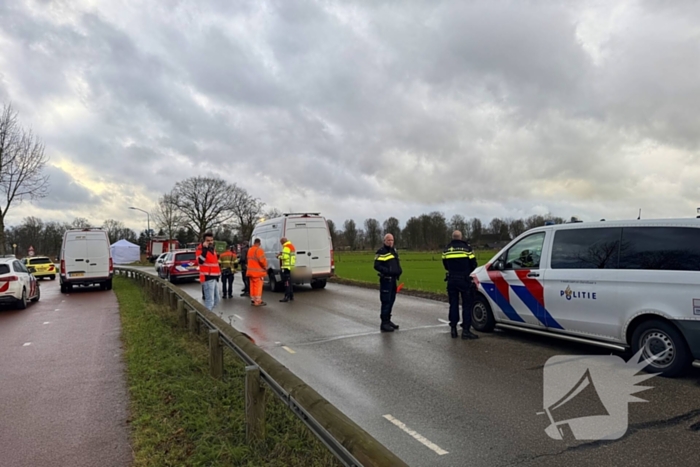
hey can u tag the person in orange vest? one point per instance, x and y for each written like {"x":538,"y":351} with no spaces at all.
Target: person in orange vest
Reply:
{"x":257,"y":270}
{"x":227,"y":262}
{"x":209,"y":271}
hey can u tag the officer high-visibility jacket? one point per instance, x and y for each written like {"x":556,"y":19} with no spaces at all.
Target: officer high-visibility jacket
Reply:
{"x":227,"y":261}
{"x":288,"y":256}
{"x":257,"y":263}
{"x":208,"y":264}
{"x":458,"y":259}
{"x":386,"y":262}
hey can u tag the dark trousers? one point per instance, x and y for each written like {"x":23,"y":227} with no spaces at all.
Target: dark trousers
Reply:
{"x":460,"y":287}
{"x":288,"y":286}
{"x":387,"y":296}
{"x":246,"y":281}
{"x":227,"y":284}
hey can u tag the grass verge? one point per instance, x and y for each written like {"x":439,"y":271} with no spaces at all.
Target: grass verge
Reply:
{"x":180,"y":415}
{"x":423,"y":272}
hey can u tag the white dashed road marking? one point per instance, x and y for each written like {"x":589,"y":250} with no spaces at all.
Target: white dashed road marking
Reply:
{"x":443,"y":321}
{"x":432,"y":446}
{"x":288,"y":349}
{"x":47,"y":322}
{"x":238,"y":317}
{"x":26,"y":344}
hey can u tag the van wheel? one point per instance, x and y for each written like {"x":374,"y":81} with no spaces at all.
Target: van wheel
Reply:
{"x":22,"y":303}
{"x":321,"y":284}
{"x":109,"y":284}
{"x":482,"y":316}
{"x":662,"y":339}
{"x":53,"y":278}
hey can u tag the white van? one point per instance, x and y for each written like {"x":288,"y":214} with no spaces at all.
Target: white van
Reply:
{"x":311,"y":238}
{"x":623,"y":285}
{"x":86,"y":259}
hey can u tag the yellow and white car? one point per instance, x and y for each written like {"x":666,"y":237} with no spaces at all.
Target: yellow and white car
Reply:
{"x":43,"y":267}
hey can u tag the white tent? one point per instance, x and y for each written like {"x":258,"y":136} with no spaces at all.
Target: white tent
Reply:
{"x":125,"y":252}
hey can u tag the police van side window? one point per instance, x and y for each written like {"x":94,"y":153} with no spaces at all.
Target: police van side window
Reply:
{"x":586,"y":248}
{"x":526,"y":254}
{"x":660,"y":248}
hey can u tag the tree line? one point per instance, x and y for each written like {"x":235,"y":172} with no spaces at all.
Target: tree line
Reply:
{"x":432,"y":231}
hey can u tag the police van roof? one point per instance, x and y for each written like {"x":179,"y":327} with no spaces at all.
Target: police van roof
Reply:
{"x":672,"y":222}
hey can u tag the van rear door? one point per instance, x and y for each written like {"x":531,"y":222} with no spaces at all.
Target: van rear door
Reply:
{"x":296,"y":232}
{"x":75,"y":255}
{"x":97,"y":255}
{"x":319,"y":248}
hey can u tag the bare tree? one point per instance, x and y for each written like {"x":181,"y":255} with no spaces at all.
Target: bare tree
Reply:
{"x":373,"y":233}
{"x":246,"y":210}
{"x":22,"y":161}
{"x":204,"y":202}
{"x":114,"y":229}
{"x":167,"y":215}
{"x":350,"y":233}
{"x":331,"y":230}
{"x":272,"y":213}
{"x":80,"y":223}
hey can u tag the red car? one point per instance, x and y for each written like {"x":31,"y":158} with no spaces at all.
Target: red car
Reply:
{"x":180,"y":265}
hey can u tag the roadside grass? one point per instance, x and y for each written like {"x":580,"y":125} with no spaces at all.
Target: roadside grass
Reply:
{"x":422,"y":270}
{"x":180,"y":415}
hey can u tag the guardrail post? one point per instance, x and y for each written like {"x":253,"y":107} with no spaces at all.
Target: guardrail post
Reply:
{"x":182,"y":312}
{"x":254,"y":405}
{"x":192,"y":320}
{"x":172,"y":303}
{"x":216,"y":355}
{"x":164,"y":296}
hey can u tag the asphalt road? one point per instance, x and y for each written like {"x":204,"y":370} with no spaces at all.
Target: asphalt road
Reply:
{"x":437,"y":401}
{"x":63,"y":395}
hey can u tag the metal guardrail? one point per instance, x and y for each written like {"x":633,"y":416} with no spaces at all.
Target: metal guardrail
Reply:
{"x":347,"y":441}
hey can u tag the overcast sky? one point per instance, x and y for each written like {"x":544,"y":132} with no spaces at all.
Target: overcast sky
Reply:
{"x":363,"y":108}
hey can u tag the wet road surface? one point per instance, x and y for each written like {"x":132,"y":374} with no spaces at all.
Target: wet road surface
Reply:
{"x":437,"y":401}
{"x":63,"y":395}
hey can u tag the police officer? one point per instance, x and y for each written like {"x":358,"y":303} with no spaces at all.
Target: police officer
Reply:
{"x":288,"y":258}
{"x":243,"y":263}
{"x":386,"y":263}
{"x":459,"y":261}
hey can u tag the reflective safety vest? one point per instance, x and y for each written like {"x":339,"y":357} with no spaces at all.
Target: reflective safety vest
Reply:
{"x":257,"y":263}
{"x":227,"y":260}
{"x":208,"y":264}
{"x":289,"y":256}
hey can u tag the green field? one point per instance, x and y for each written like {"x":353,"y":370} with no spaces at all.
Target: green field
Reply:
{"x":421,"y":270}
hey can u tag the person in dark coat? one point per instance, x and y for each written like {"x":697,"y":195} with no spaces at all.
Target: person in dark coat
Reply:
{"x":459,"y":261}
{"x":387,"y":264}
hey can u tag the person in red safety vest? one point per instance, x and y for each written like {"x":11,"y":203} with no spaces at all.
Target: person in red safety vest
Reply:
{"x":209,"y":271}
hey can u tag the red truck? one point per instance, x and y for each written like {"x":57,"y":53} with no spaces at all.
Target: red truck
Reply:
{"x":158,"y":246}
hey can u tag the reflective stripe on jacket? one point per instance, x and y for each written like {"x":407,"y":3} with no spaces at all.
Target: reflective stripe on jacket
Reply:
{"x":257,"y":263}
{"x":227,"y":260}
{"x":289,"y":256}
{"x":208,"y":264}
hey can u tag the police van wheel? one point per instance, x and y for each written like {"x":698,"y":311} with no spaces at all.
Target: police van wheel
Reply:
{"x":662,"y":339}
{"x":482,"y":316}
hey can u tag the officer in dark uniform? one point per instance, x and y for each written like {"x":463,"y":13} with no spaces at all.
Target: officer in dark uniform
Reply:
{"x":386,"y":263}
{"x":243,"y":263}
{"x":459,"y":260}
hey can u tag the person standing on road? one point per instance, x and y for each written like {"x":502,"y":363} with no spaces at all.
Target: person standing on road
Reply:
{"x":256,"y":271}
{"x":459,"y":261}
{"x":288,"y":259}
{"x":227,"y":262}
{"x":209,"y":271}
{"x":386,"y":263}
{"x":243,"y":263}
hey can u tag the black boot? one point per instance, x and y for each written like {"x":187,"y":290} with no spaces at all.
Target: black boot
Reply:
{"x":395,"y":326}
{"x":285,"y":299}
{"x":386,"y":327}
{"x":453,"y":332}
{"x":466,"y":335}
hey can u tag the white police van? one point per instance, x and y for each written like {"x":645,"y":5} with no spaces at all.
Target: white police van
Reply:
{"x":311,"y":238}
{"x":623,"y":285}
